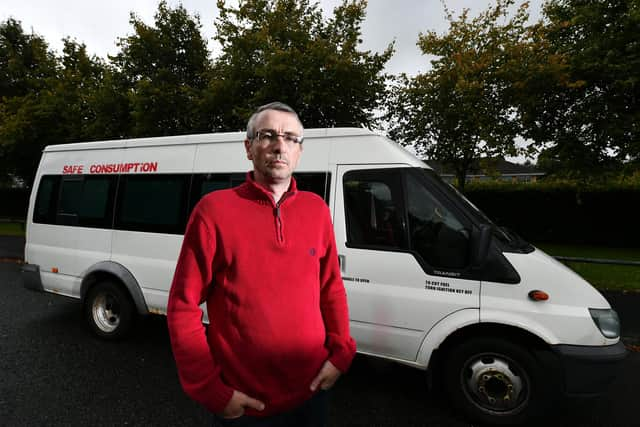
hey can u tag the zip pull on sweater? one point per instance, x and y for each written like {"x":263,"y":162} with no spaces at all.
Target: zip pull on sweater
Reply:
{"x":279,"y":232}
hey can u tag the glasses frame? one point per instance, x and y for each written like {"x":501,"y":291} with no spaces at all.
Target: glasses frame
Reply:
{"x":270,"y":135}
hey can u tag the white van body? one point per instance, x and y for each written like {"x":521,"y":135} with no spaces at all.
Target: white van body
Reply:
{"x":403,"y":308}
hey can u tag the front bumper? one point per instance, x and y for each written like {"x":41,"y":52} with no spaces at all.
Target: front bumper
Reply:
{"x":588,"y":370}
{"x":31,"y":277}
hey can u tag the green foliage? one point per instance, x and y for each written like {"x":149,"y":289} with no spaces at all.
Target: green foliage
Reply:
{"x":58,"y":107}
{"x":600,"y":252}
{"x":27,"y":72}
{"x":602,"y":276}
{"x":12,"y":229}
{"x":464,"y":107}
{"x":25,"y":61}
{"x":164,"y":67}
{"x":593,"y":122}
{"x":284,"y":50}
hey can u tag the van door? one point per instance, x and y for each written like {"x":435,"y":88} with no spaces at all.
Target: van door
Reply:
{"x":86,"y":211}
{"x":404,"y":252}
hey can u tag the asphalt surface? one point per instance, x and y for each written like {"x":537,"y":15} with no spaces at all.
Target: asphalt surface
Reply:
{"x":11,"y":248}
{"x":54,"y":373}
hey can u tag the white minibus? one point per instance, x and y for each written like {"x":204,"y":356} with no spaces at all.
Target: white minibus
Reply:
{"x":431,"y":281}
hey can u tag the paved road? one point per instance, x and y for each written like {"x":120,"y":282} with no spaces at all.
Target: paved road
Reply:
{"x":54,"y":373}
{"x":11,"y":248}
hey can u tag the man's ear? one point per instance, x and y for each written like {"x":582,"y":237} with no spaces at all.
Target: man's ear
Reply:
{"x":247,"y":147}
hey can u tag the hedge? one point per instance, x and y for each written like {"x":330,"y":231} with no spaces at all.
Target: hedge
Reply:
{"x":14,"y":203}
{"x":564,"y":213}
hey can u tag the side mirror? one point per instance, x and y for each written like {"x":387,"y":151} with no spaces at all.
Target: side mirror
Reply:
{"x":480,"y":244}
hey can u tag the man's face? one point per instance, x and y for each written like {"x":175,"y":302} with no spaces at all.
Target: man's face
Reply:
{"x":275,"y":159}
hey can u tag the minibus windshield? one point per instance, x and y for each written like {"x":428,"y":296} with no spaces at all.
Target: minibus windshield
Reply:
{"x":503,"y":234}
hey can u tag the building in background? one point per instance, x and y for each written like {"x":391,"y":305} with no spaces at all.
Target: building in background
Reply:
{"x":491,"y":169}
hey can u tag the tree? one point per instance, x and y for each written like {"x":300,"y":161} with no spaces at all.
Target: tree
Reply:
{"x":165,"y":67}
{"x":81,"y":80}
{"x":52,"y":100}
{"x":595,"y":121}
{"x":284,"y":50}
{"x":27,"y":71}
{"x":25,"y":61}
{"x":465,"y":107}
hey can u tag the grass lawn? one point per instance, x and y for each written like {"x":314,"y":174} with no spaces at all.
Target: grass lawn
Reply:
{"x":602,"y":276}
{"x":11,"y":229}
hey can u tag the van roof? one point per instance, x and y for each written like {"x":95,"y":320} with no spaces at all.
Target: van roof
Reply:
{"x":205,"y":138}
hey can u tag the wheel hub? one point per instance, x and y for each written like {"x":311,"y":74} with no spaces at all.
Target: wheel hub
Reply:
{"x":106,"y":313}
{"x":494,"y":385}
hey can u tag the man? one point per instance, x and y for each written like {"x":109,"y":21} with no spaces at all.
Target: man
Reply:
{"x":263,"y":257}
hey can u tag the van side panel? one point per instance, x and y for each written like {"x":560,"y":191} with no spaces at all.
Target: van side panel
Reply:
{"x":151,"y":257}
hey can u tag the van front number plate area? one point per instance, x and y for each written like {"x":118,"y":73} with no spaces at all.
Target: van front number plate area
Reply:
{"x":434,"y":285}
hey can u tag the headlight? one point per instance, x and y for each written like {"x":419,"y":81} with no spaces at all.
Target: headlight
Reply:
{"x":607,"y":321}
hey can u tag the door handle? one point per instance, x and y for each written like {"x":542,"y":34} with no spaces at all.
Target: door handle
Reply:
{"x":342,"y":260}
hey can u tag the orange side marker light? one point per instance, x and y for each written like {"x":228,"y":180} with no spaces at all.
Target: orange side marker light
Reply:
{"x":537,"y":295}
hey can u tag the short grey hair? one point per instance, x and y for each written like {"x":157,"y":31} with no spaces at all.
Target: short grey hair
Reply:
{"x":278,"y":106}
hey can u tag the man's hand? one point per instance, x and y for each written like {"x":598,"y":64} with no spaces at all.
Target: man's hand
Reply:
{"x":326,"y":378}
{"x":238,"y":403}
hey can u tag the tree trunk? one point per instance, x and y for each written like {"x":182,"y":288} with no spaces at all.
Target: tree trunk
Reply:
{"x":461,"y":177}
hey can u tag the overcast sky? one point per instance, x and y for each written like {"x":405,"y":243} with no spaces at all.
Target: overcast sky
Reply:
{"x":99,"y":24}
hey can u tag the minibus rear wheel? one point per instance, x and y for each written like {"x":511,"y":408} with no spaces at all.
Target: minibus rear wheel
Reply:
{"x":495,"y":381}
{"x":109,"y":310}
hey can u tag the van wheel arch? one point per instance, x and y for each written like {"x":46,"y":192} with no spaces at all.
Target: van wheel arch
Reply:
{"x":111,"y":271}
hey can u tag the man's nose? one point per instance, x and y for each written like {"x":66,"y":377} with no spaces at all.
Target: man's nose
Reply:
{"x":279,"y":145}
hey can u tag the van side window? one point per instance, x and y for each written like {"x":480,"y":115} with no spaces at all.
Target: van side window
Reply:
{"x":205,"y":183}
{"x":316,"y":182}
{"x":153,"y":203}
{"x":436,"y":234}
{"x":46,"y":199}
{"x":374,"y":209}
{"x":86,"y":201}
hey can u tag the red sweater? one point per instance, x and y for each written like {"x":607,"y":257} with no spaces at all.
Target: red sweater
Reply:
{"x":276,"y":302}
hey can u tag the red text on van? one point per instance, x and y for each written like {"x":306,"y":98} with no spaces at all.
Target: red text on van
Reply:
{"x":72,"y":169}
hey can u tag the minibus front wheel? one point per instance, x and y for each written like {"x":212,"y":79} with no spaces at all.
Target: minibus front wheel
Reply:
{"x":495,"y":381}
{"x":109,"y":310}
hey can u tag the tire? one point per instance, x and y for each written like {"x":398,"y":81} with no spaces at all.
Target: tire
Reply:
{"x":109,"y":311}
{"x":495,"y":381}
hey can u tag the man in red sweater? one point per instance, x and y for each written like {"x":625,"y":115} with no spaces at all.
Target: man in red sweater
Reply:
{"x":263,"y":257}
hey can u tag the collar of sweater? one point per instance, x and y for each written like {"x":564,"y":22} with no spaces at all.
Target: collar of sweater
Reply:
{"x":263,"y":196}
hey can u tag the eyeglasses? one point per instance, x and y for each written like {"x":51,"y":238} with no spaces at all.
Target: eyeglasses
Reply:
{"x":270,"y":136}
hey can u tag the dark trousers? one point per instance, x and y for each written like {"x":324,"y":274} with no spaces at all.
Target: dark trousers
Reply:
{"x":312,"y":413}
